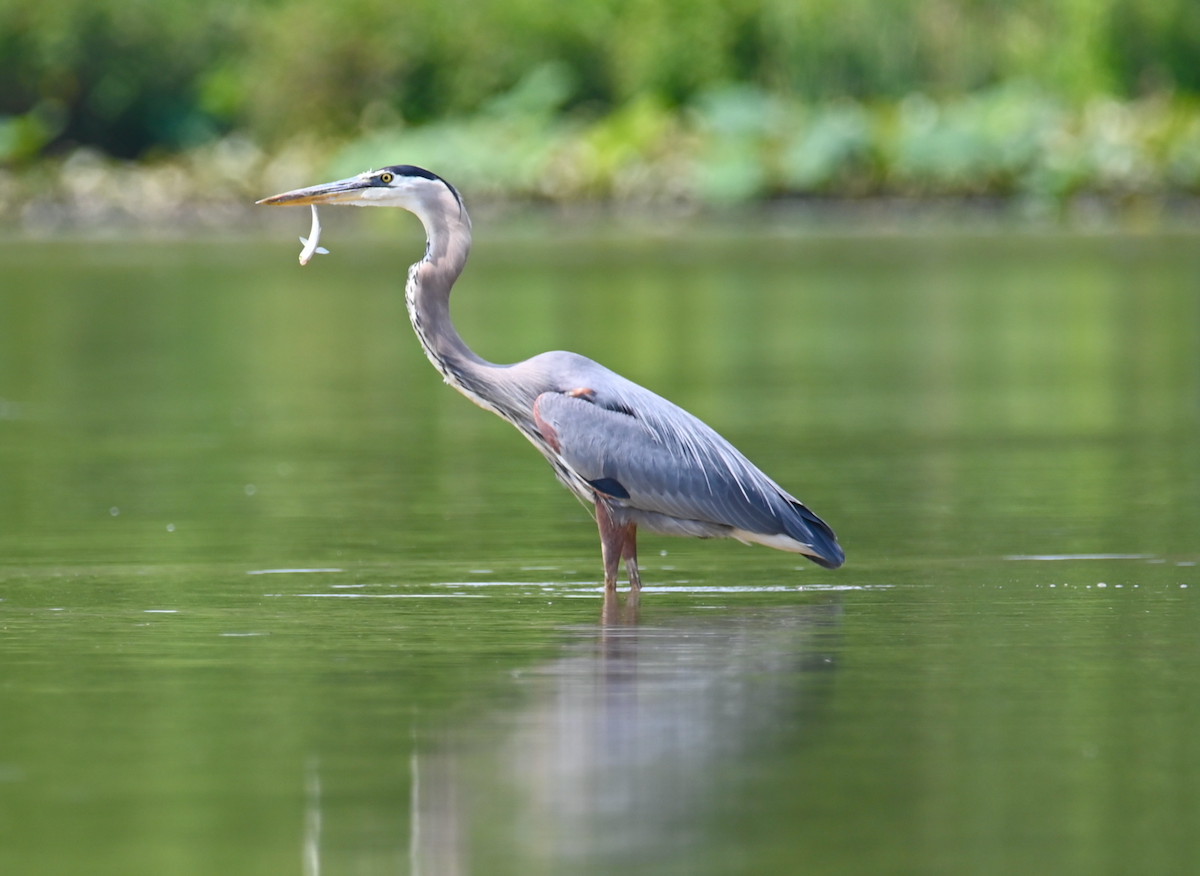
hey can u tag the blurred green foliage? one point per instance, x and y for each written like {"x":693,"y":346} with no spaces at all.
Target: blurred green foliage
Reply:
{"x":739,"y":142}
{"x":726,"y":98}
{"x":133,"y":75}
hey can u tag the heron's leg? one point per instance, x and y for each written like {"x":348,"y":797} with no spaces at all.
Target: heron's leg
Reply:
{"x":629,"y":554}
{"x":612,"y":538}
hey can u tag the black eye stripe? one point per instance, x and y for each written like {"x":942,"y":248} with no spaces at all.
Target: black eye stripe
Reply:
{"x":410,"y":170}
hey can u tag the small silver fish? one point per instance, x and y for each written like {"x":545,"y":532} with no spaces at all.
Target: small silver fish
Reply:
{"x":310,"y":243}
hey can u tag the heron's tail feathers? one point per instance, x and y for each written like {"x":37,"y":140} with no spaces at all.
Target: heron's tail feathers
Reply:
{"x":806,"y":527}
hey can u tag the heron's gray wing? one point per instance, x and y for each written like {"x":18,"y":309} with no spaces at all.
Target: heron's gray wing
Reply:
{"x":649,"y":454}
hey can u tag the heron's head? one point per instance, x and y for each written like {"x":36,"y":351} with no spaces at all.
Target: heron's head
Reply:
{"x":401,"y":185}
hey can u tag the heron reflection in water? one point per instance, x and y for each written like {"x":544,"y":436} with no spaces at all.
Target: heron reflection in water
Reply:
{"x":639,"y":459}
{"x":628,"y":750}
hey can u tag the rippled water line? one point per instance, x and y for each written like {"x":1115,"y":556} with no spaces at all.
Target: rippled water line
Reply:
{"x":1053,"y":557}
{"x":395,"y":595}
{"x":509,"y":583}
{"x":773,"y":588}
{"x":288,"y":571}
{"x":592,"y":591}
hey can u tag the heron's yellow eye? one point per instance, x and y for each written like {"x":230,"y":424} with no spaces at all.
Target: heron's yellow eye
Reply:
{"x":385,"y":177}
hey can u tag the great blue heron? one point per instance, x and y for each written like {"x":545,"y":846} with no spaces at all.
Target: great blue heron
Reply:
{"x":639,"y":459}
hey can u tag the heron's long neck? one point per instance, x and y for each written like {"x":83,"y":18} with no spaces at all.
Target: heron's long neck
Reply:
{"x":427,"y":295}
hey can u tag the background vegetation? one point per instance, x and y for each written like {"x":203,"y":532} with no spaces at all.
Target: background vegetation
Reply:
{"x":713,"y":100}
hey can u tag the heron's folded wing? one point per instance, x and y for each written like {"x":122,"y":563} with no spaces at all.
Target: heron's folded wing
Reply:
{"x":670,"y":463}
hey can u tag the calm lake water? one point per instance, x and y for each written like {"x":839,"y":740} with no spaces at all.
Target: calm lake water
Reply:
{"x":274,"y":600}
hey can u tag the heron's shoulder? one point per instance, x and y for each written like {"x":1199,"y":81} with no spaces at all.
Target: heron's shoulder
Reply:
{"x":562,"y":359}
{"x":567,"y":367}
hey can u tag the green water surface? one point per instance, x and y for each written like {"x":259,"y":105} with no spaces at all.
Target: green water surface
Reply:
{"x":275,"y":600}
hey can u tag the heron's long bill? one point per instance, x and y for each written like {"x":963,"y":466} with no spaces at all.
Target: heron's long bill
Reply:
{"x":342,"y":191}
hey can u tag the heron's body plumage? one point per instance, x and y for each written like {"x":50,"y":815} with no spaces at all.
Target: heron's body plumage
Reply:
{"x":658,"y":466}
